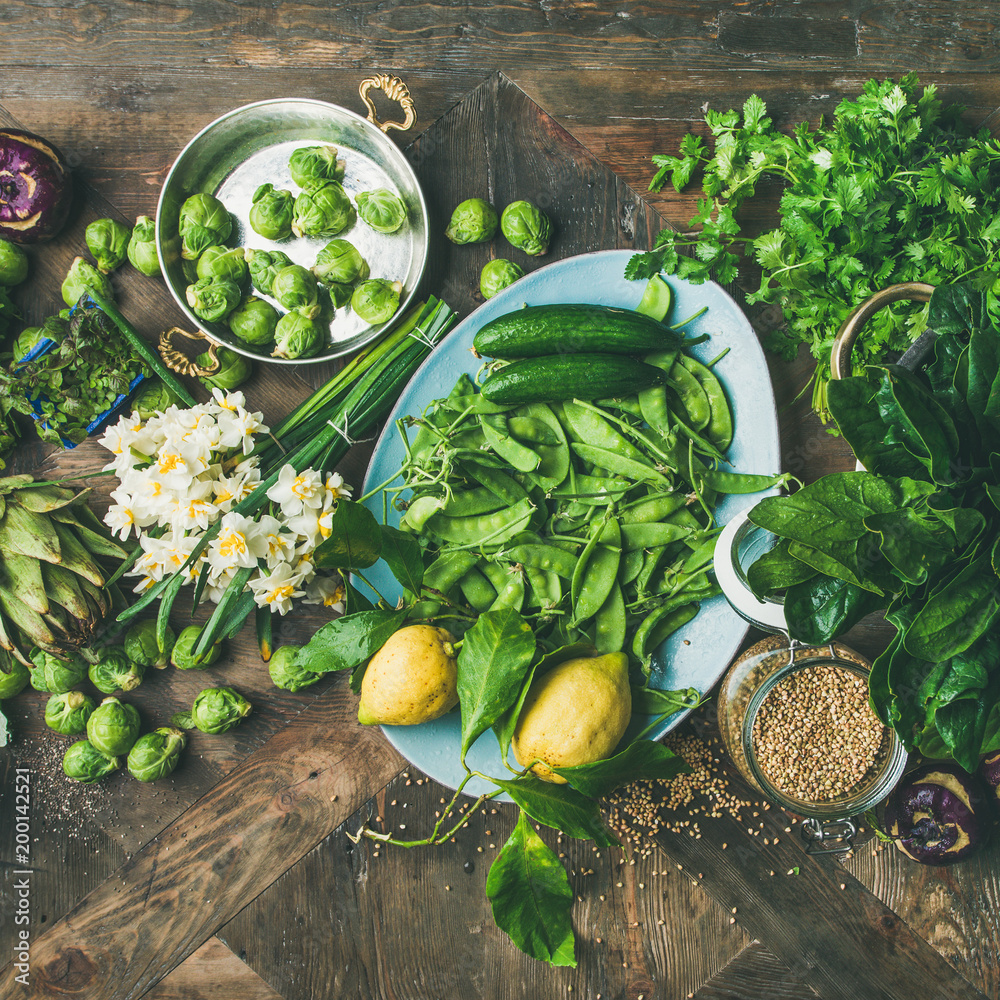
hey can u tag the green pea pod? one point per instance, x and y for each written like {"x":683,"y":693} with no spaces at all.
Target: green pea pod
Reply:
{"x":619,"y":465}
{"x":602,"y":572}
{"x":555,"y":459}
{"x":482,"y":529}
{"x":545,"y":588}
{"x":540,"y":556}
{"x":703,"y":553}
{"x":655,"y":507}
{"x":631,"y":566}
{"x":626,"y":404}
{"x":654,"y":409}
{"x":649,"y":628}
{"x":609,"y":622}
{"x":649,"y":535}
{"x":499,"y":438}
{"x":508,"y":489}
{"x":419,"y":512}
{"x":652,"y":560}
{"x":683,"y":518}
{"x":477,"y":589}
{"x":591,"y":428}
{"x":512,"y":594}
{"x":691,"y":395}
{"x":530,"y":429}
{"x":740,"y":482}
{"x":448,"y":569}
{"x":468,"y":503}
{"x":720,"y":424}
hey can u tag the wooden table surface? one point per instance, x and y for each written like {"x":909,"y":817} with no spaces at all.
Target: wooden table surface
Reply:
{"x":236,"y":877}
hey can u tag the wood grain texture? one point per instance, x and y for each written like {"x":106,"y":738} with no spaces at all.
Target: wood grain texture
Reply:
{"x":213,"y":972}
{"x":753,"y":974}
{"x":483,"y":37}
{"x":196,"y":874}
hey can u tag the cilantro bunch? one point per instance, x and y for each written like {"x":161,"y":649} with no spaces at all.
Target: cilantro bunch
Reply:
{"x":895,"y":188}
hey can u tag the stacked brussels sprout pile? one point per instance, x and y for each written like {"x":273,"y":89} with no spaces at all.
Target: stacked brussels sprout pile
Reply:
{"x":247,"y":288}
{"x":525,"y":226}
{"x":112,"y":726}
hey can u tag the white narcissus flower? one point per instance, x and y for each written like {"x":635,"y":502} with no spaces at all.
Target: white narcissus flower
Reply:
{"x":118,"y":438}
{"x":232,"y":401}
{"x":335,"y":489}
{"x":326,"y":590}
{"x":237,"y":429}
{"x":277,"y":590}
{"x":240,"y":542}
{"x":295,"y":491}
{"x":120,"y":519}
{"x":280,"y":543}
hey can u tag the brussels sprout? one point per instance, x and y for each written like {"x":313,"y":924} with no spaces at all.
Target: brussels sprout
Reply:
{"x":182,"y":656}
{"x":142,"y":247}
{"x":84,"y":762}
{"x":142,"y":649}
{"x":216,"y":710}
{"x":153,"y":397}
{"x":526,"y":227}
{"x":213,"y":299}
{"x":107,"y":241}
{"x":382,"y":209}
{"x":156,"y":754}
{"x":298,"y":336}
{"x":473,"y":221}
{"x":53,"y":675}
{"x":340,"y":263}
{"x":80,"y":278}
{"x":295,"y":288}
{"x":68,"y":713}
{"x":376,"y":300}
{"x":339,"y":294}
{"x":114,"y":671}
{"x":264,"y":265}
{"x":254,"y":320}
{"x":13,"y":679}
{"x":113,"y":726}
{"x":497,"y":274}
{"x":324,"y":210}
{"x":203,"y":222}
{"x":234,"y":369}
{"x":271,"y":213}
{"x":13,"y":264}
{"x":284,"y":672}
{"x":312,"y":165}
{"x":223,"y":262}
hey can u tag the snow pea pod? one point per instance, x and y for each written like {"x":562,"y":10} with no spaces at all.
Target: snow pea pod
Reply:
{"x":555,"y":459}
{"x":655,"y":507}
{"x":465,"y":503}
{"x":447,"y":569}
{"x":510,"y":590}
{"x":689,"y":391}
{"x":619,"y":465}
{"x":530,"y":429}
{"x":545,"y":588}
{"x":719,"y":428}
{"x":610,"y":622}
{"x":477,"y":589}
{"x":481,"y":529}
{"x":741,"y":482}
{"x":631,"y":565}
{"x":596,"y":569}
{"x":499,"y":438}
{"x":508,"y":489}
{"x":549,"y":558}
{"x":659,"y":623}
{"x":590,"y":427}
{"x":651,"y":534}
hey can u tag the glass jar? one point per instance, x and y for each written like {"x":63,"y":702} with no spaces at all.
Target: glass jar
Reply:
{"x":835,"y":741}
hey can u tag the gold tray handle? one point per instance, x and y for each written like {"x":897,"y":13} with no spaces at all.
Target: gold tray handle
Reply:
{"x":843,"y":344}
{"x":176,"y":360}
{"x":395,"y":90}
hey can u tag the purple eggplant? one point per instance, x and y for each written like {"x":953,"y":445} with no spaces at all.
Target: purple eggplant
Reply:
{"x":35,"y":188}
{"x":938,"y":814}
{"x":989,"y":771}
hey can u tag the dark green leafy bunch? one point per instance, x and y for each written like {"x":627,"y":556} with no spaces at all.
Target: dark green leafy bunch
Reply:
{"x":894,"y":188}
{"x":918,"y":534}
{"x":77,"y":380}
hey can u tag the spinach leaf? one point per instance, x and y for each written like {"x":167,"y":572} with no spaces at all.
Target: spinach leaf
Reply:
{"x":914,"y":544}
{"x":776,"y":570}
{"x":854,"y":562}
{"x":820,"y":609}
{"x":495,"y":656}
{"x":531,"y":897}
{"x":962,"y":724}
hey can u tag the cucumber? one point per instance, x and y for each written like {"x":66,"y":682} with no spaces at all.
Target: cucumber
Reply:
{"x":535,"y":331}
{"x":559,"y":377}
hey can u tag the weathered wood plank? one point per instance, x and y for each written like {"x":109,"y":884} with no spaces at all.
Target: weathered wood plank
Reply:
{"x":213,"y":972}
{"x":753,"y":974}
{"x":196,"y":874}
{"x":935,"y":34}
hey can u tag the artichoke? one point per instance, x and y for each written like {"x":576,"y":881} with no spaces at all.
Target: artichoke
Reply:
{"x":84,"y":762}
{"x":68,"y":713}
{"x":156,"y":754}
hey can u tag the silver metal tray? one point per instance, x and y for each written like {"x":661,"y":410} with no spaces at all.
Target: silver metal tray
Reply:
{"x":249,"y":146}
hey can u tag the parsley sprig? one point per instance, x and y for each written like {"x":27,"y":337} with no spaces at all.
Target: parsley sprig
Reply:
{"x":895,"y":188}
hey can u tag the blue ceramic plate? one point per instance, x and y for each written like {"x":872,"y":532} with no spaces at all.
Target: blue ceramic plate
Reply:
{"x":697,"y":654}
